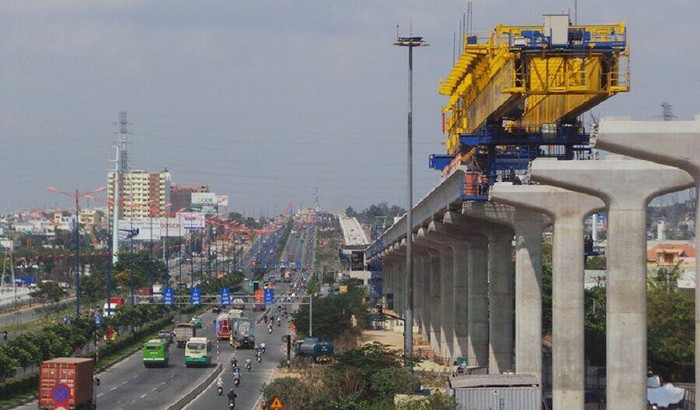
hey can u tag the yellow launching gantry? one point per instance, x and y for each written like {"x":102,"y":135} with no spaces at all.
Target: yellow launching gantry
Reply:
{"x":526,"y":85}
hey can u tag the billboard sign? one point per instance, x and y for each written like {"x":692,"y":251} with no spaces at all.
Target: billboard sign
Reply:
{"x":169,"y":227}
{"x":196,"y":296}
{"x":222,"y":200}
{"x":225,"y":297}
{"x":144,"y":229}
{"x":269,"y":296}
{"x":192,"y":220}
{"x":168,"y":296}
{"x":204,"y":198}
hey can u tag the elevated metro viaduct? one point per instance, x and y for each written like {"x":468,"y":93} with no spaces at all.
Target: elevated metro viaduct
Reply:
{"x":471,"y":300}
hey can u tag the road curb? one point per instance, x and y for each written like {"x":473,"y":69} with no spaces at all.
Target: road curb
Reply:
{"x":187,"y":398}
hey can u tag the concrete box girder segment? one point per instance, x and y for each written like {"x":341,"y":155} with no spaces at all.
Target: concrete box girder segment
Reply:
{"x":568,"y":210}
{"x":626,"y":187}
{"x":674,"y":143}
{"x":500,"y":288}
{"x":477,"y":287}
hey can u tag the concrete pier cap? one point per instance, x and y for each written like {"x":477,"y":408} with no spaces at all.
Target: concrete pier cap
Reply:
{"x":674,"y":143}
{"x":626,"y":186}
{"x":568,"y":210}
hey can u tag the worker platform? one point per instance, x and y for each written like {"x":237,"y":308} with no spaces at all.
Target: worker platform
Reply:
{"x":518,"y":93}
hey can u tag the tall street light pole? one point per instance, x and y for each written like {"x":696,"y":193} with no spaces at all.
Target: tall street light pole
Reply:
{"x":77,"y":195}
{"x":409,"y":42}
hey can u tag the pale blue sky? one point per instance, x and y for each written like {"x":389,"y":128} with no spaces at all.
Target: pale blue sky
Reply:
{"x":262,"y":99}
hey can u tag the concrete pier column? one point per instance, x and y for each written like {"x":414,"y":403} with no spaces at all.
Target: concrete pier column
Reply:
{"x":425,"y":292}
{"x":477,"y":287}
{"x":418,"y":282}
{"x":460,"y":293}
{"x":501,"y":305}
{"x":568,"y":209}
{"x":441,"y":272}
{"x":626,"y":187}
{"x":400,"y":278}
{"x":459,"y":288}
{"x":681,"y":148}
{"x":435,"y":301}
{"x":443,"y":245}
{"x":478,"y":302}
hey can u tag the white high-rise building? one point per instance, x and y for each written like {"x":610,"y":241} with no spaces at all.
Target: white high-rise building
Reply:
{"x":141,"y":194}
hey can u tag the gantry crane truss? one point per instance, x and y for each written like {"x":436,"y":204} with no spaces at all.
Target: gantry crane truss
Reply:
{"x":517,"y":94}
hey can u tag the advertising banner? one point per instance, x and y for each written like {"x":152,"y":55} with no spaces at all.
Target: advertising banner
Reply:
{"x":192,"y":220}
{"x":222,"y":200}
{"x":170,"y":227}
{"x":203,"y":198}
{"x":145,"y":229}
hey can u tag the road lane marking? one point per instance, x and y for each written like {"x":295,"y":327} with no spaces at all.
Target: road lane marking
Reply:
{"x":125,"y":382}
{"x":100,"y":395}
{"x":113,"y":388}
{"x":143,"y":396}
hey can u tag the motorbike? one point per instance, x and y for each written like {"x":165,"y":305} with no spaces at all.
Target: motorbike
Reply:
{"x":219,"y":390}
{"x":234,"y":363}
{"x":248,"y":366}
{"x":262,"y":349}
{"x":269,"y":330}
{"x":231,"y":404}
{"x":259,"y":359}
{"x":236,"y":380}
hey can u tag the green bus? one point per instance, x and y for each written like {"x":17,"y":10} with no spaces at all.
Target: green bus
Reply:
{"x":155,"y":353}
{"x":198,"y":352}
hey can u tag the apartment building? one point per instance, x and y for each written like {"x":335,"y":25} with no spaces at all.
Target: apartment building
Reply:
{"x":141,"y":194}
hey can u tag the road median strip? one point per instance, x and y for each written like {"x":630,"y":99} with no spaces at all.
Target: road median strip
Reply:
{"x":187,"y":398}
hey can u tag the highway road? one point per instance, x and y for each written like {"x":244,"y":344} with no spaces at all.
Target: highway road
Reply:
{"x":251,"y":381}
{"x":129,"y":385}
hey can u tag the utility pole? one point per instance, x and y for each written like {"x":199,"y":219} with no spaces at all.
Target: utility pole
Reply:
{"x":115,"y":208}
{"x":76,"y":196}
{"x":409,"y":42}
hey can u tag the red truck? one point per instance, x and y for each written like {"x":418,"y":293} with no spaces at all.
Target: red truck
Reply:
{"x":66,"y":382}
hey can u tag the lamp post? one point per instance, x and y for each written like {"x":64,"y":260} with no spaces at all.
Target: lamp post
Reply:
{"x":410,"y":42}
{"x":77,"y":195}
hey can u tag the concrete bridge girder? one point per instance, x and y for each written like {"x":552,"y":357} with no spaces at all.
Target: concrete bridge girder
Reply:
{"x":681,"y":148}
{"x":568,"y":210}
{"x":626,"y":186}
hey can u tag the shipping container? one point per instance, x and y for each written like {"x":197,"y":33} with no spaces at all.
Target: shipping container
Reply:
{"x":66,"y":382}
{"x":495,"y":391}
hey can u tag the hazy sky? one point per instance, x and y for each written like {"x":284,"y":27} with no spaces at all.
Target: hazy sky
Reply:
{"x":264,"y":99}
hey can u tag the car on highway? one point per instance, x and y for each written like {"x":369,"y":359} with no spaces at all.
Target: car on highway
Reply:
{"x":166,"y":335}
{"x":196,"y":322}
{"x":238,"y":303}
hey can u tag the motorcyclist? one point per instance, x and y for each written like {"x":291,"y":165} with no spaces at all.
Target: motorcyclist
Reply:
{"x":258,"y":355}
{"x":232,"y":395}
{"x":279,"y":322}
{"x":220,"y":383}
{"x":262,"y":347}
{"x":248,"y":363}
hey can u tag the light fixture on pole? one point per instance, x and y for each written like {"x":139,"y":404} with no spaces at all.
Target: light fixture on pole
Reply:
{"x":410,"y":42}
